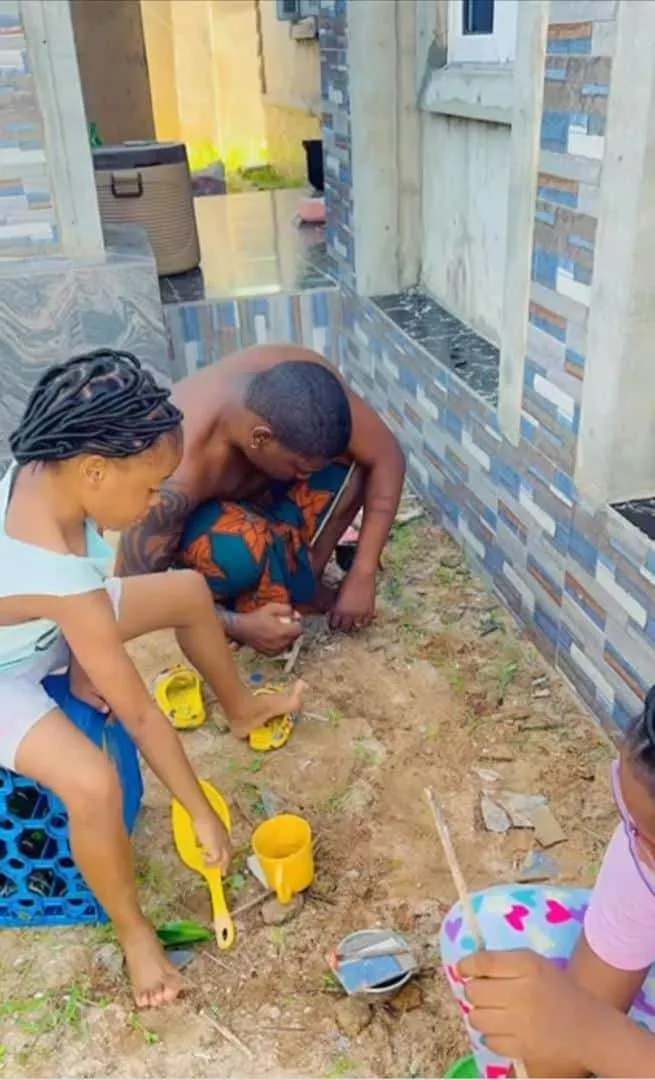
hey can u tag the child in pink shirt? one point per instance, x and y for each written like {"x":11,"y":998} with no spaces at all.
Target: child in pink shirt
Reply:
{"x":603,"y":944}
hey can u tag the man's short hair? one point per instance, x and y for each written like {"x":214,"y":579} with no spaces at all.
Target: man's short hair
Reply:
{"x":305,"y":406}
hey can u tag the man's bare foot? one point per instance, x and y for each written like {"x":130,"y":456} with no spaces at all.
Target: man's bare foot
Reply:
{"x":264,"y":707}
{"x":154,"y":979}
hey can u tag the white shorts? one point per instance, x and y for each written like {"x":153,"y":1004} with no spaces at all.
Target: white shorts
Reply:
{"x":24,"y":701}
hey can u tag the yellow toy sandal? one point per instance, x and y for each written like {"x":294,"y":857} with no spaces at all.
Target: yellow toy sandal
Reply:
{"x":178,"y":693}
{"x":275,"y":733}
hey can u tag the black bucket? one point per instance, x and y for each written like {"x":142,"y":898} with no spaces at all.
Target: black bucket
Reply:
{"x":314,"y":154}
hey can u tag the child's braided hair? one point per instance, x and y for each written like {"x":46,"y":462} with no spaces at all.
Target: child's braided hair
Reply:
{"x":102,"y":403}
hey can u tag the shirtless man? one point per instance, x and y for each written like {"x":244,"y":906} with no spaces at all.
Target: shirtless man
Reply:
{"x":279,"y":455}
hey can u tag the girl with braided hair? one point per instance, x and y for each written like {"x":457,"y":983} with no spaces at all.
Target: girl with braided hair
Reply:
{"x":568,"y":981}
{"x":98,"y":439}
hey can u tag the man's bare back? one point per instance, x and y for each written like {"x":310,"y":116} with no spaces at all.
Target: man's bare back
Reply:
{"x":232,"y":454}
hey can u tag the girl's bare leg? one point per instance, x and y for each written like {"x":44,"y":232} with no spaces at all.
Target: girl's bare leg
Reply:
{"x":86,"y":782}
{"x":181,"y":600}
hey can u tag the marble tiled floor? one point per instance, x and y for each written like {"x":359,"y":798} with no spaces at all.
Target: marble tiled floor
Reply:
{"x":475,"y":360}
{"x":251,"y":246}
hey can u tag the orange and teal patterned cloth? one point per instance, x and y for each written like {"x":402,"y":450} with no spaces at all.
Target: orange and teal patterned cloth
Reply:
{"x":257,"y":552}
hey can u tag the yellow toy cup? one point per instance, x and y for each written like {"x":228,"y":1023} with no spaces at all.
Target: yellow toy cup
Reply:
{"x":283,"y":846}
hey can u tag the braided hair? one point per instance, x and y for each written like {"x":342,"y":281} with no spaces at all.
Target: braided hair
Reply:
{"x":640,"y":740}
{"x":102,"y":402}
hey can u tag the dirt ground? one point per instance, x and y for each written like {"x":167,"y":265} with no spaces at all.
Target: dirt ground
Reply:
{"x":439,"y":685}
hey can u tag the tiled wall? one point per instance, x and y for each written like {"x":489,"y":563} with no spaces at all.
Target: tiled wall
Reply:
{"x":201,"y":333}
{"x":576,"y":90}
{"x":333,"y":40}
{"x":27,"y":214}
{"x":580,"y":578}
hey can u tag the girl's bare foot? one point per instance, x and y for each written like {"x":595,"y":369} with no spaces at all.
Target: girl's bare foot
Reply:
{"x":257,"y":710}
{"x":154,"y":979}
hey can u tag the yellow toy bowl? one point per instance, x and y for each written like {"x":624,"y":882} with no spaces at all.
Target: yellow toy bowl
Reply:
{"x":274,"y":733}
{"x":283,"y":846}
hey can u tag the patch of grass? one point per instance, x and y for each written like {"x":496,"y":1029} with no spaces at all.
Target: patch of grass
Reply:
{"x":402,"y":545}
{"x":334,"y":718}
{"x":365,"y":755}
{"x":261,"y":178}
{"x":152,"y":875}
{"x":329,"y":981}
{"x":252,"y":795}
{"x":235,"y":882}
{"x":59,"y":1012}
{"x":455,"y":678}
{"x":278,"y":939}
{"x":335,"y":801}
{"x":506,"y":674}
{"x":150,"y":1037}
{"x":341,"y":1066}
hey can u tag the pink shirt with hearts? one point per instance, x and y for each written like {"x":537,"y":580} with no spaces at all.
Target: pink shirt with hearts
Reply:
{"x":620,"y":922}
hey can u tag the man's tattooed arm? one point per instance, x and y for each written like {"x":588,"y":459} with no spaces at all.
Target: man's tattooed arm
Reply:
{"x":151,"y":545}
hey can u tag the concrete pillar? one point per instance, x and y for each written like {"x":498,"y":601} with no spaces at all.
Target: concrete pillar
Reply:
{"x":51,"y":48}
{"x":616,"y":446}
{"x":384,"y":124}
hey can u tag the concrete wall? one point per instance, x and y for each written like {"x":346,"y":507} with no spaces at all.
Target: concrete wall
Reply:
{"x":236,"y":71}
{"x":465,"y":184}
{"x":113,"y":68}
{"x":292,"y":91}
{"x":157,"y":19}
{"x":226,"y":73}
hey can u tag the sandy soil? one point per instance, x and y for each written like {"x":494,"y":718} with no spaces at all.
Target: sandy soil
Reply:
{"x":440,"y":684}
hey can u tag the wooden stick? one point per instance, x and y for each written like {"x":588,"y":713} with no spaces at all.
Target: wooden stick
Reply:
{"x":229,"y":1036}
{"x":458,"y":878}
{"x":470,"y":917}
{"x":293,"y":655}
{"x":251,"y":904}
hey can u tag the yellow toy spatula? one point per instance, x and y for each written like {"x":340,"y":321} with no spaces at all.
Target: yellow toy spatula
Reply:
{"x":191,"y":853}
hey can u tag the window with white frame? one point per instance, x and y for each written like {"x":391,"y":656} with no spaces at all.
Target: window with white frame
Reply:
{"x":482,"y":31}
{"x":293,"y":10}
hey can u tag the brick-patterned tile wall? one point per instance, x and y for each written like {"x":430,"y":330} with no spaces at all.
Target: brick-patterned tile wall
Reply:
{"x":580,"y":578}
{"x":337,"y":165}
{"x":27,"y":213}
{"x":202,"y":333}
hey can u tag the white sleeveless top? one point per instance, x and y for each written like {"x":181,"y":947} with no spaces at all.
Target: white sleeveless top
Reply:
{"x":28,"y":570}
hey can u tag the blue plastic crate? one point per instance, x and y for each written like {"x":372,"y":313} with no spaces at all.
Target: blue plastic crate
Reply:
{"x":39,"y":882}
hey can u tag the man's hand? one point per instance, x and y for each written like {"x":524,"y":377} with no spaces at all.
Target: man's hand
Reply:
{"x":354,"y":607}
{"x":528,"y":1008}
{"x":214,"y":839}
{"x":271,"y":630}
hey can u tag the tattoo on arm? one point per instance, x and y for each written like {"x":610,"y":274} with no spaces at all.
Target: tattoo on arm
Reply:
{"x":151,"y":545}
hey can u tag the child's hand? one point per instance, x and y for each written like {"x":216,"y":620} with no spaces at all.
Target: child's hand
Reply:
{"x":214,"y":838}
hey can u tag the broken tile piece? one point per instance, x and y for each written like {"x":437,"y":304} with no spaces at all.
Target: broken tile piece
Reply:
{"x":520,"y":808}
{"x":487,"y":776}
{"x":494,"y":817}
{"x":547,"y":829}
{"x":537,"y":866}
